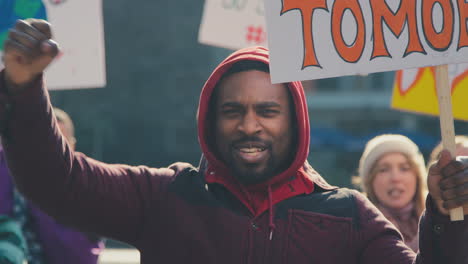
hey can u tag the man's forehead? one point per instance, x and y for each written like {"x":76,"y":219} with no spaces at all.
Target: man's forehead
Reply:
{"x":255,"y":87}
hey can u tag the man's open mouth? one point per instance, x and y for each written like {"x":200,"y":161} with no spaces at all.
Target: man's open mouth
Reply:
{"x":251,"y":152}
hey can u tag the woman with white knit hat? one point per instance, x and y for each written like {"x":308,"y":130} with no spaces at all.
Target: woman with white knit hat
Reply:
{"x":392,"y":173}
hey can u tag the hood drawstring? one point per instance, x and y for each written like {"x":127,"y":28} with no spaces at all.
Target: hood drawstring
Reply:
{"x":271,"y":224}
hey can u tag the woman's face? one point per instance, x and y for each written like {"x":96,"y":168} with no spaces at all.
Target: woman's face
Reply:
{"x":395,"y":181}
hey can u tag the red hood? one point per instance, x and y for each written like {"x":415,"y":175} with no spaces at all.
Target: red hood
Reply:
{"x":290,"y":182}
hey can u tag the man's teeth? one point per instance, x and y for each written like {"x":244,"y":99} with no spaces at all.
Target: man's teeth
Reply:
{"x":251,"y":150}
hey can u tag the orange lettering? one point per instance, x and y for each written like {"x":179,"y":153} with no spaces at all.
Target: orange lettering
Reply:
{"x":463,"y":40}
{"x":406,"y":14}
{"x":307,"y":9}
{"x":350,"y":53}
{"x":439,"y":41}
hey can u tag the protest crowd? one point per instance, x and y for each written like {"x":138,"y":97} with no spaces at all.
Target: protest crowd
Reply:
{"x":255,"y":193}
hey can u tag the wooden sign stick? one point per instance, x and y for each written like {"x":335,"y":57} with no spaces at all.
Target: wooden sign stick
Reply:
{"x":447,"y":128}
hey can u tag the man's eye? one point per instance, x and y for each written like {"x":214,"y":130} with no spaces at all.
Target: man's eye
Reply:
{"x":269,"y":112}
{"x":229,"y":112}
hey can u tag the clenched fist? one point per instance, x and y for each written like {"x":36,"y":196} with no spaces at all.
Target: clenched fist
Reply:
{"x":448,"y":182}
{"x":28,"y":50}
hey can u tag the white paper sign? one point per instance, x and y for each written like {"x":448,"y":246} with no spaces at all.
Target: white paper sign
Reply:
{"x":78,"y":28}
{"x":328,"y":38}
{"x":233,"y":24}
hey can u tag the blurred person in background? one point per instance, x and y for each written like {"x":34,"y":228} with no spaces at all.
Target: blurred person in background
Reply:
{"x":48,"y":242}
{"x":254,"y":197}
{"x":392,"y":174}
{"x":461,"y":149}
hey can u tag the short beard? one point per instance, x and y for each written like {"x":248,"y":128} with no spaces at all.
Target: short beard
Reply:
{"x":249,"y":177}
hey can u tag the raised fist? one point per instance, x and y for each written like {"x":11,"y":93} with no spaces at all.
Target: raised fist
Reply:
{"x":28,"y":50}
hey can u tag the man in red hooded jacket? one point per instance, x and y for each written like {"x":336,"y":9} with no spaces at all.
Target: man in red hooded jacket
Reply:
{"x":253,"y":199}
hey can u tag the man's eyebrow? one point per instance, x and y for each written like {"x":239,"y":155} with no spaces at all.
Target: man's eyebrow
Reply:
{"x":267,"y":104}
{"x":260,"y":104}
{"x":231,"y":104}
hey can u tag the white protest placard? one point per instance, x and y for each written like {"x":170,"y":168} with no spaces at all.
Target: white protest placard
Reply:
{"x":77,"y":27}
{"x":233,"y":24}
{"x":327,"y":38}
{"x":82,"y":63}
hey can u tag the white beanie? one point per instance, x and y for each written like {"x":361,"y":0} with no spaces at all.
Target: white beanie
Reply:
{"x":388,"y":143}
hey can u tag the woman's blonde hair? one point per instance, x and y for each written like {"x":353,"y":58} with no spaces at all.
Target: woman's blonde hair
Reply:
{"x":391,"y":143}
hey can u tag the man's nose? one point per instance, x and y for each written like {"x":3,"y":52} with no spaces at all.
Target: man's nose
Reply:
{"x":250,"y":124}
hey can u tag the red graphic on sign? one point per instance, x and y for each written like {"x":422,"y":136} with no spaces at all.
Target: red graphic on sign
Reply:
{"x":57,"y":2}
{"x":255,"y":34}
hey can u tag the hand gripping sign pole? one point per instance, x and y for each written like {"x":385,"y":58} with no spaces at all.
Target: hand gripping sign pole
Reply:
{"x":446,"y":122}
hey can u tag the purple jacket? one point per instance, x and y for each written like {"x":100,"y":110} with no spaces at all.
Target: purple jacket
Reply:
{"x":60,"y":244}
{"x":6,"y":188}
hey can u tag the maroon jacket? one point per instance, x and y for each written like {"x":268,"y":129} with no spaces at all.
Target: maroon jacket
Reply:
{"x":203,"y":215}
